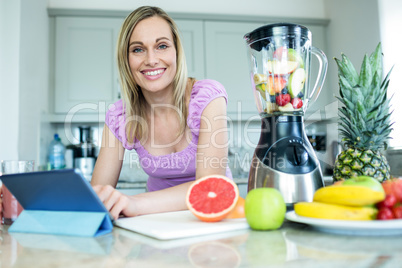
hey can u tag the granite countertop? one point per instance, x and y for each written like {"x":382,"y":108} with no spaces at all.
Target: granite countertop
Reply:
{"x":293,"y":245}
{"x":131,"y":184}
{"x":141,"y":183}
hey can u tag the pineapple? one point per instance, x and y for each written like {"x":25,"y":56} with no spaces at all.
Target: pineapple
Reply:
{"x":364,"y":119}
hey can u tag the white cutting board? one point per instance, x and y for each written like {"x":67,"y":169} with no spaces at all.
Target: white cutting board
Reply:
{"x":178,"y":224}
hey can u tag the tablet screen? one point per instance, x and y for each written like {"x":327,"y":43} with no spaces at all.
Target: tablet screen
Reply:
{"x":62,"y":190}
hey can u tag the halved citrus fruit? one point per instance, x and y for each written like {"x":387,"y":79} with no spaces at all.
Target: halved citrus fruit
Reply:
{"x":212,"y":197}
{"x":238,"y":210}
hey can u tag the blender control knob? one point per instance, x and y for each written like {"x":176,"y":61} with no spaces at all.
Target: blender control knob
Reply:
{"x":296,"y":154}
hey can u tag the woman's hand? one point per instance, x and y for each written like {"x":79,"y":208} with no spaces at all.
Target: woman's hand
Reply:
{"x":114,"y":201}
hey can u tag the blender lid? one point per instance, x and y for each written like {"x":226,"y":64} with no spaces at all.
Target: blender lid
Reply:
{"x":258,"y":38}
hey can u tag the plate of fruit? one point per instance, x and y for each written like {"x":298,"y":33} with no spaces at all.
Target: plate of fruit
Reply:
{"x":357,"y":206}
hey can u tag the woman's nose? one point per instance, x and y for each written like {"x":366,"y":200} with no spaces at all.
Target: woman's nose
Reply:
{"x":152,"y":58}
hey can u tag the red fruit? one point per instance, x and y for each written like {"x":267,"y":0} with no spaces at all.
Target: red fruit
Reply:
{"x":280,"y":52}
{"x":282,"y":99}
{"x":397,"y":211}
{"x":385,"y":214}
{"x":212,"y":198}
{"x":393,"y":187}
{"x":388,"y":202}
{"x":297,"y":103}
{"x":275,"y":85}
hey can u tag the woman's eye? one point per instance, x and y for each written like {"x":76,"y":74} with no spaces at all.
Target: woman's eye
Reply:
{"x":163,"y":46}
{"x":137,"y":50}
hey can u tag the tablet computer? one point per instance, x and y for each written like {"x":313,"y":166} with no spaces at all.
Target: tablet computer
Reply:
{"x":55,"y":190}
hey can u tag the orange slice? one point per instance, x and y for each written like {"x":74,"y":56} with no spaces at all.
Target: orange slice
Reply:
{"x":238,"y":210}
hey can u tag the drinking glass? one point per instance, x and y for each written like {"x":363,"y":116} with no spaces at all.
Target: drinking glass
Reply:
{"x":11,"y":208}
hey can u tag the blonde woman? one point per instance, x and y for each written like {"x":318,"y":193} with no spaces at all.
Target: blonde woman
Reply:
{"x":177,"y":125}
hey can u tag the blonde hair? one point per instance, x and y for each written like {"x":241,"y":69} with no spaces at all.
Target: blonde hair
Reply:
{"x":133,"y":99}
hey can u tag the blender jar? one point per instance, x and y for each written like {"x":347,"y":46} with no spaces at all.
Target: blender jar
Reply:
{"x":279,"y":57}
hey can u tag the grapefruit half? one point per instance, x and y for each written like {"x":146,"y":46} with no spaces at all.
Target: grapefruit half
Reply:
{"x":212,"y":197}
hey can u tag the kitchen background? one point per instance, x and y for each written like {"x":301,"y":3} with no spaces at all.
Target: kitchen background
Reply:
{"x":53,"y":80}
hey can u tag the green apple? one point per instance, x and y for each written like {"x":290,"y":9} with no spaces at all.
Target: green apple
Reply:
{"x":365,"y":181}
{"x":262,"y":89}
{"x":293,"y":55}
{"x":281,"y":67}
{"x":296,"y":82}
{"x":284,"y":53}
{"x":265,"y":209}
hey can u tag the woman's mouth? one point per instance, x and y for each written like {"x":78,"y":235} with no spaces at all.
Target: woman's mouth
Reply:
{"x":152,"y":74}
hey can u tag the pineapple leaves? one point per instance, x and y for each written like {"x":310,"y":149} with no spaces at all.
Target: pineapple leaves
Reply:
{"x":371,"y":68}
{"x":384,"y":84}
{"x":372,"y":115}
{"x":366,"y":74}
{"x":345,"y":88}
{"x":376,"y":60}
{"x":346,"y":69}
{"x":349,"y":104}
{"x":364,"y":114}
{"x":361,"y":111}
{"x":357,"y":95}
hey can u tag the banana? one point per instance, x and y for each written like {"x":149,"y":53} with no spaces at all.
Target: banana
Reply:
{"x":334,"y":212}
{"x":348,"y":195}
{"x":287,"y":108}
{"x":260,"y":78}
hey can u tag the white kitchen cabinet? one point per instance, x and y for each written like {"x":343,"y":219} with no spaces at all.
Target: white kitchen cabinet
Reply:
{"x":192,"y":36}
{"x":226,"y":62}
{"x":86,"y":76}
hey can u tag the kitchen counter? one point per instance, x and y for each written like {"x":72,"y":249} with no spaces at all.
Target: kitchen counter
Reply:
{"x":293,"y":245}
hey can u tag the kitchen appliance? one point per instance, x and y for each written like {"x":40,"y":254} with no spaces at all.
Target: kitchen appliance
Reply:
{"x":318,"y":141}
{"x":85,"y":152}
{"x":280,"y":60}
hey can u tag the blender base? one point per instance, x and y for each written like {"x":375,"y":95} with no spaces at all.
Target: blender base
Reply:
{"x":293,"y":187}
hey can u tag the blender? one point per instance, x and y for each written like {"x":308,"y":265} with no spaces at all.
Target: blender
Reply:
{"x":85,"y":154}
{"x":280,"y":60}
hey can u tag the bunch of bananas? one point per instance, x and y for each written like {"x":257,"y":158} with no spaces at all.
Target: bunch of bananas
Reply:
{"x":353,"y":201}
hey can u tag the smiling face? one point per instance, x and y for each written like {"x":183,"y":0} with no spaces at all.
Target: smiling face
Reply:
{"x":152,"y":55}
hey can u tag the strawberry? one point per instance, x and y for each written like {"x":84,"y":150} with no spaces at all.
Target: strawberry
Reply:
{"x":296,"y":103}
{"x":385,"y":214}
{"x":282,"y":99}
{"x":388,"y":202}
{"x":393,"y":187}
{"x":397,"y":211}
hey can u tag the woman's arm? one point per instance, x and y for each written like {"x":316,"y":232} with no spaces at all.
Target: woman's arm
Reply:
{"x":170,"y":199}
{"x":105,"y":177}
{"x":110,"y":159}
{"x":211,"y":159}
{"x":212,"y":150}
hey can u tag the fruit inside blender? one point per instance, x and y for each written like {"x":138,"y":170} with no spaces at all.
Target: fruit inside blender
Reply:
{"x":282,"y":83}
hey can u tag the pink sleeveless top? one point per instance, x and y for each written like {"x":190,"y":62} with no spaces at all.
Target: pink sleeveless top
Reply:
{"x":165,"y":171}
